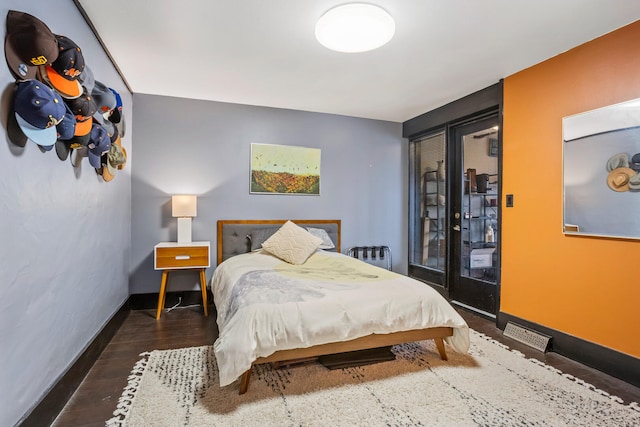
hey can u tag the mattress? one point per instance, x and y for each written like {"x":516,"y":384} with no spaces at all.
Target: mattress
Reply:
{"x":265,"y":305}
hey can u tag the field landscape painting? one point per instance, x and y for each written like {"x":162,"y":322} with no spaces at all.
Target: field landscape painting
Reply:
{"x":284,"y":169}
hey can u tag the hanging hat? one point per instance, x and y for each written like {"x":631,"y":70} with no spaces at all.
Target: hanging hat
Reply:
{"x":67,"y":127}
{"x":38,"y":109}
{"x":618,"y":161}
{"x":77,"y":154}
{"x":63,"y":73}
{"x":114,"y":159}
{"x":116,"y":113}
{"x":28,"y":44}
{"x":618,"y":179}
{"x":634,"y":182}
{"x":83,"y":108}
{"x":99,"y":144}
{"x":63,"y":148}
{"x":104,"y":98}
{"x":66,"y":130}
{"x":122,"y":126}
{"x":14,"y":132}
{"x":87,"y":79}
{"x":634,"y":163}
{"x":112,"y":131}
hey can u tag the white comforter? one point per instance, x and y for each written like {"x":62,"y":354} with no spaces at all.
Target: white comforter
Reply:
{"x":265,"y":304}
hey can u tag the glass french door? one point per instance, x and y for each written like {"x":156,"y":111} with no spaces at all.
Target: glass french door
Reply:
{"x":474,"y":217}
{"x":454,"y":212}
{"x":429,"y":210}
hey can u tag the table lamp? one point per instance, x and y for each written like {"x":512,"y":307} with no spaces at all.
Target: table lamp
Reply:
{"x":184,"y":207}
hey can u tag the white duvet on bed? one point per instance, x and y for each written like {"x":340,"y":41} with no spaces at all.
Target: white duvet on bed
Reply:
{"x":265,"y":305}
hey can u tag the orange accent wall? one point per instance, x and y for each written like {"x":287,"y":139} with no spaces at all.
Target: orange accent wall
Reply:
{"x":587,"y":287}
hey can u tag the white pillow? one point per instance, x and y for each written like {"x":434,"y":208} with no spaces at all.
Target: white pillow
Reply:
{"x":327,"y":243}
{"x":292,"y":243}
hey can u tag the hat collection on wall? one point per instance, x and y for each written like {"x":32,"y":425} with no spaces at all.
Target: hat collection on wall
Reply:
{"x":57,"y":101}
{"x":624,"y":172}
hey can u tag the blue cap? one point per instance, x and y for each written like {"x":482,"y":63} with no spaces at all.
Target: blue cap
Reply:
{"x":38,"y":109}
{"x":66,"y":131}
{"x":67,"y":127}
{"x":116,"y":114}
{"x":98,"y":145}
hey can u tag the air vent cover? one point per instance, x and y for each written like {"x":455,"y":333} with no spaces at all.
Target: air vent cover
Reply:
{"x":527,"y":336}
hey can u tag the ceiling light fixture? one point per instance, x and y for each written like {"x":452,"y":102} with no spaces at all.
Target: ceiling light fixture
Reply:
{"x":355,"y":27}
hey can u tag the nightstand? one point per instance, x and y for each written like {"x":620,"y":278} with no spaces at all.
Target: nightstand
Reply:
{"x":169,"y":256}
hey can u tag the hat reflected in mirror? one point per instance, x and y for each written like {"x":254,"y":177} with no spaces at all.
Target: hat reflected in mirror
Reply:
{"x":619,"y":178}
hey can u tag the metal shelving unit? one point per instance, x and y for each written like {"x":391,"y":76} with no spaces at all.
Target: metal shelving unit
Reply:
{"x":480,"y":211}
{"x":433,"y":232}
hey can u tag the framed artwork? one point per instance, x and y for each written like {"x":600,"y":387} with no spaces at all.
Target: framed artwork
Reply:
{"x":285,"y":169}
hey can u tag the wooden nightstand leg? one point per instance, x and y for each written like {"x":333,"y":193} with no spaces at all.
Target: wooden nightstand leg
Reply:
{"x":161,"y":295}
{"x":203,"y":287}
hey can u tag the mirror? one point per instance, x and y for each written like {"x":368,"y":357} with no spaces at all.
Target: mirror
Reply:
{"x":601,"y":165}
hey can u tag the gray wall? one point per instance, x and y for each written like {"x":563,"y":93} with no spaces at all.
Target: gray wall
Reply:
{"x":203,"y":148}
{"x":64,"y":239}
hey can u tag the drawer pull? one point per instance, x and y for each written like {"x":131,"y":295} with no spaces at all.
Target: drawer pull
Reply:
{"x":182,"y":257}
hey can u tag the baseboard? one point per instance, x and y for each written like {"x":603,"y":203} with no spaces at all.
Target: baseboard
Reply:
{"x":150,"y":301}
{"x":46,"y":411}
{"x":611,"y":362}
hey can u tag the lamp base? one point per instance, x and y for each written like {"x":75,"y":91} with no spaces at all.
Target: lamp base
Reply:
{"x":184,"y":230}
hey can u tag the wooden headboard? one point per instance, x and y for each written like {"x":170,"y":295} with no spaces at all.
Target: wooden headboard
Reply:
{"x":232,"y":234}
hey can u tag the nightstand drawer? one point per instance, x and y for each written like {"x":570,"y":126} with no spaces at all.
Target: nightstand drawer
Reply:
{"x":182,"y":257}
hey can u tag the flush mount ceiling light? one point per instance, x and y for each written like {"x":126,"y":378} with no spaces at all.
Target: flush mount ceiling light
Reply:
{"x":355,"y":27}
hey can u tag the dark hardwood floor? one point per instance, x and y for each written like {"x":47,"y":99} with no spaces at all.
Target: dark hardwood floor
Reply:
{"x":95,"y":400}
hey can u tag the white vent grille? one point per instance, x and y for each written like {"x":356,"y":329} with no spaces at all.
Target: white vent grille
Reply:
{"x":527,"y":336}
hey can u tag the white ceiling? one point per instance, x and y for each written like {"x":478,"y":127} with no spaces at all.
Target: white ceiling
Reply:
{"x":263,"y":52}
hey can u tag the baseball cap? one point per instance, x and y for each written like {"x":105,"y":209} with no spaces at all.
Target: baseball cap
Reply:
{"x":28,"y":44}
{"x":121,"y":125}
{"x":83,"y":108}
{"x":66,"y":130}
{"x":13,"y":130}
{"x":116,"y":113}
{"x":67,"y":127}
{"x":77,"y":154}
{"x":104,"y":98}
{"x":63,"y":73}
{"x":63,"y":148}
{"x":87,"y":79}
{"x":112,"y":131}
{"x":99,"y":144}
{"x":38,"y":109}
{"x":113,"y":159}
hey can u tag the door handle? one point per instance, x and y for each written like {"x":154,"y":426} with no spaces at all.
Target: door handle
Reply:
{"x":456,"y":228}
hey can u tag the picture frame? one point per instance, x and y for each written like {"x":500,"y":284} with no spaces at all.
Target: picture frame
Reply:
{"x":285,"y":169}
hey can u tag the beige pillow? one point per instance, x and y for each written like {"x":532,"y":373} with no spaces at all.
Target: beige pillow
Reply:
{"x":292,"y":243}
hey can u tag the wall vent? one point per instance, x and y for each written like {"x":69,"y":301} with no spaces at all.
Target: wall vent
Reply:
{"x":527,"y":336}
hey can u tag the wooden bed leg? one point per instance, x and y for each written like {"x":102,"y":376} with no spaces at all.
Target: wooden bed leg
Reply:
{"x":244,"y":381}
{"x":441,"y":350}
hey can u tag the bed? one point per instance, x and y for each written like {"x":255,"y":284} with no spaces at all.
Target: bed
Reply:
{"x":272,"y":309}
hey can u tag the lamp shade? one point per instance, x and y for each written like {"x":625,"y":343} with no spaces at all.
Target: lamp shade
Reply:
{"x":184,"y":206}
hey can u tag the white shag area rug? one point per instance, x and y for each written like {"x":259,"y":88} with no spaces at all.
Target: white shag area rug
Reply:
{"x":490,"y":386}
